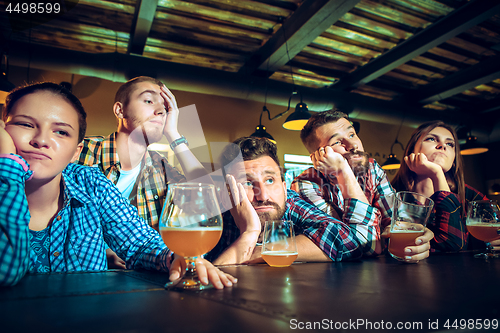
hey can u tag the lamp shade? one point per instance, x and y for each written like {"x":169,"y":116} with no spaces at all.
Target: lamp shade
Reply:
{"x":494,"y":189}
{"x":260,"y":132}
{"x":392,"y":163}
{"x":297,"y":120}
{"x":5,"y":88}
{"x":471,"y":147}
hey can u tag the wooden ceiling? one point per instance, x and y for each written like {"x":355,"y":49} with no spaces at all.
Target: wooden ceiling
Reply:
{"x":439,"y":56}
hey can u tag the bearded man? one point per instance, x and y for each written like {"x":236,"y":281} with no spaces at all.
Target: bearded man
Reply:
{"x":258,"y":194}
{"x":344,"y":180}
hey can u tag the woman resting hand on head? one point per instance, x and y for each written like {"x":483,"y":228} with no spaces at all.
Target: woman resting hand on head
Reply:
{"x":433,"y":167}
{"x":56,"y":216}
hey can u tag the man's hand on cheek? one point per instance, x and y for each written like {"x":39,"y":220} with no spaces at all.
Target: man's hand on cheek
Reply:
{"x":329,"y":162}
{"x":244,"y":214}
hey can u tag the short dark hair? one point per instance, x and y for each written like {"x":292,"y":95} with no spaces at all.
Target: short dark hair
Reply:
{"x":250,"y":148}
{"x":54,"y":88}
{"x":126,"y":89}
{"x":318,"y":119}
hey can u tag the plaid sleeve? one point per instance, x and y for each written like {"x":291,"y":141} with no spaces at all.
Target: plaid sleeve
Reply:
{"x":125,"y":232}
{"x":364,"y":221}
{"x":383,"y":195}
{"x":332,"y":236}
{"x":90,"y":151}
{"x":306,"y":185}
{"x":370,"y":220}
{"x":173,"y":175}
{"x":448,"y":224}
{"x":14,"y":219}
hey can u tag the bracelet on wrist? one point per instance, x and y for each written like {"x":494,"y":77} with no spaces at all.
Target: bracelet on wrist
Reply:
{"x":178,"y":141}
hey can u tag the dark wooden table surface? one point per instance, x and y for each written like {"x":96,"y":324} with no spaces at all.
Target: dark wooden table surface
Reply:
{"x":369,"y":295}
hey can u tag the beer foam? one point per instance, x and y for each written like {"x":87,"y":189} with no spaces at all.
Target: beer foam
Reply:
{"x":280,"y":253}
{"x":484,"y":224}
{"x":191,"y":229}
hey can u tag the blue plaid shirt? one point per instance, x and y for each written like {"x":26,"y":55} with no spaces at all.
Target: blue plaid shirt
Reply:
{"x":335,"y":238}
{"x":94,"y":213}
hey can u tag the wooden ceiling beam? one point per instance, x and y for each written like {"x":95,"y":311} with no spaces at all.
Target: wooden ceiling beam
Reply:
{"x":484,"y":72}
{"x":309,"y":21}
{"x":451,"y":25}
{"x":141,"y":25}
{"x":490,"y":106}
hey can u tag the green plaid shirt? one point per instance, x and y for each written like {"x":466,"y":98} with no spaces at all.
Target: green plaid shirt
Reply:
{"x":151,"y":186}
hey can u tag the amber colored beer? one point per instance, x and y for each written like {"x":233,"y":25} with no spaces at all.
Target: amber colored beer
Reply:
{"x":191,"y":242}
{"x":486,"y":232}
{"x":402,"y":238}
{"x":279,"y":258}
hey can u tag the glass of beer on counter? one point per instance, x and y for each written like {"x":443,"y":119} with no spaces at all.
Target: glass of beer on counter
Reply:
{"x":190,"y":225}
{"x":279,"y":248}
{"x":409,"y":218}
{"x":483,"y":222}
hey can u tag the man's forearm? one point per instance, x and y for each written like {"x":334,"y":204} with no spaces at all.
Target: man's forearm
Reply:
{"x":308,"y":251}
{"x":349,"y":186}
{"x":240,"y":251}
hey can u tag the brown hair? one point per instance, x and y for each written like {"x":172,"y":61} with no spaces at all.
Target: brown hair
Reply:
{"x":54,"y":88}
{"x":318,"y":119}
{"x":125,"y":90}
{"x":405,"y":178}
{"x":251,"y":148}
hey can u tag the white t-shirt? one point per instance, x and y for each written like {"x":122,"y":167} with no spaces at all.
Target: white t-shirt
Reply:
{"x":127,"y":179}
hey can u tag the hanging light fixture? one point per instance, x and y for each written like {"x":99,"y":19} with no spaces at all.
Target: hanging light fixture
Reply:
{"x":294,"y":122}
{"x":392,"y":163}
{"x":472,"y":147}
{"x":260,"y":130}
{"x":297,"y":120}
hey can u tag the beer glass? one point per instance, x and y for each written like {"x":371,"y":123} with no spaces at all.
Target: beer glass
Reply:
{"x":190,"y":225}
{"x":483,"y":222}
{"x":279,"y":248}
{"x":409,"y":217}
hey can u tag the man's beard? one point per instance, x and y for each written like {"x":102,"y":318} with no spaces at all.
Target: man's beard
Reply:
{"x":359,"y":168}
{"x":145,"y":135}
{"x":277,"y":214}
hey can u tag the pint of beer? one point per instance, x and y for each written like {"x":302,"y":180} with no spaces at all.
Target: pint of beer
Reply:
{"x":279,"y":248}
{"x":409,"y":217}
{"x":483,"y":222}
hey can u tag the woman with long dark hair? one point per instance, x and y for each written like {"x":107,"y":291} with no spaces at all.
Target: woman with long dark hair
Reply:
{"x":433,"y":167}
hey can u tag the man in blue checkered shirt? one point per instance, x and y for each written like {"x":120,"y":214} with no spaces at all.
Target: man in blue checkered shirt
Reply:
{"x":258,"y":193}
{"x":56,"y":216}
